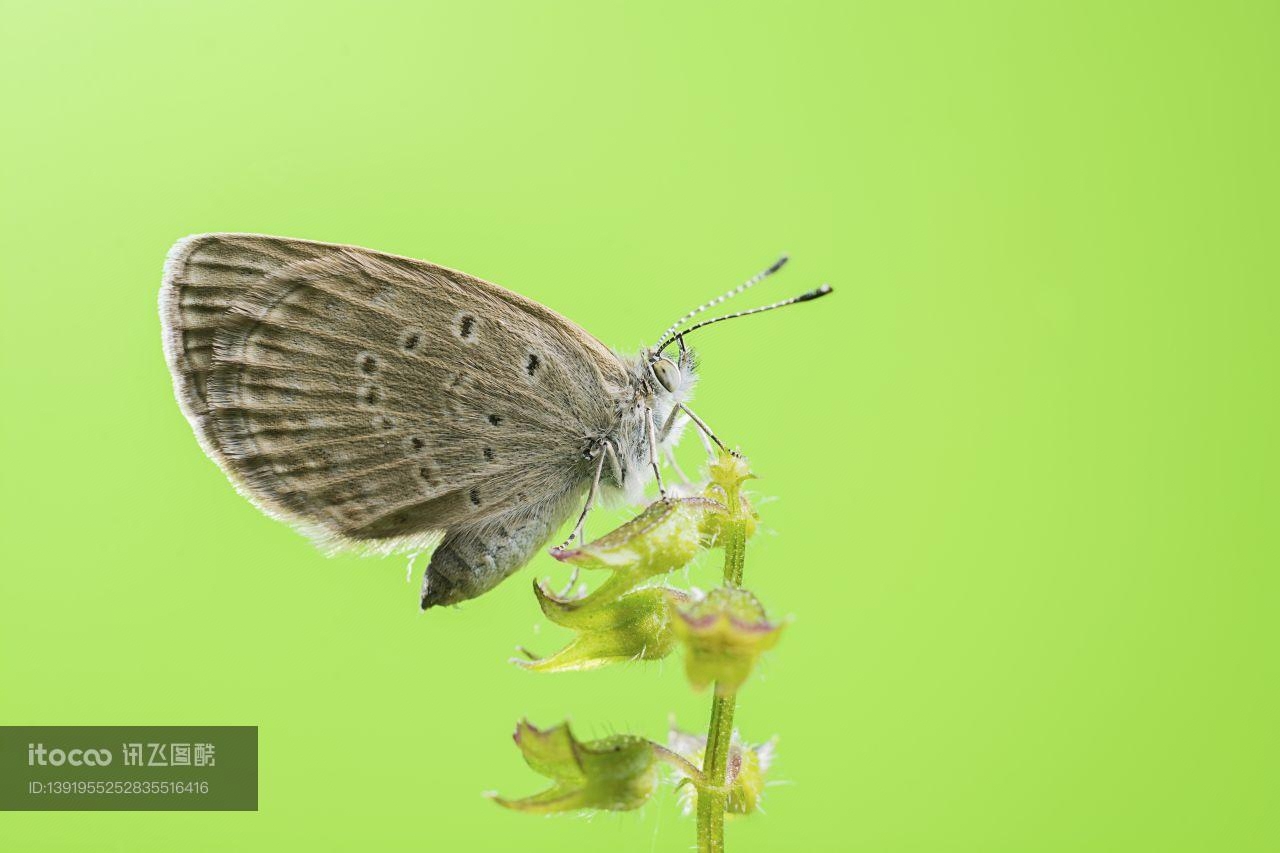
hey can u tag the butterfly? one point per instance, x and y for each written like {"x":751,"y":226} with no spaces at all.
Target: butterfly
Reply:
{"x":388,"y":404}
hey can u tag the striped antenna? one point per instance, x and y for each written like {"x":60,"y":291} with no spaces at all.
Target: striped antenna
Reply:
{"x":804,"y":297}
{"x":749,"y":283}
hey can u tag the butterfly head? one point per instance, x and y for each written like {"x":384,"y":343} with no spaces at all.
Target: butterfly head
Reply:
{"x":671,"y":376}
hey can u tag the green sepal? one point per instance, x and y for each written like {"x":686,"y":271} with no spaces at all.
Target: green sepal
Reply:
{"x":617,"y":773}
{"x":637,"y":626}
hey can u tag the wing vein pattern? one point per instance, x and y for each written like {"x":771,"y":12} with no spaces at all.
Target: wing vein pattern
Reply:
{"x":379,"y":402}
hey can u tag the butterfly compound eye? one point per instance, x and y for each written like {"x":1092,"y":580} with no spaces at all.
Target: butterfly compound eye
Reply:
{"x":668,"y":374}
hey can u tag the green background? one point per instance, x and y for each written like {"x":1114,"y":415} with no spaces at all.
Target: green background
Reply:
{"x":1024,"y":459}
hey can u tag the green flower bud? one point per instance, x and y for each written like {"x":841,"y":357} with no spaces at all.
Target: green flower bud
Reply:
{"x":663,"y":538}
{"x":723,"y":633}
{"x":617,"y":773}
{"x":636,"y":626}
{"x":715,"y":525}
{"x":726,"y":476}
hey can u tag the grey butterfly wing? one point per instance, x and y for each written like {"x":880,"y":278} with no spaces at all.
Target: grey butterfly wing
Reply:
{"x":377,"y":401}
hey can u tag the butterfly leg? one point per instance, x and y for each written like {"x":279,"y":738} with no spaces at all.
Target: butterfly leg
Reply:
{"x":619,"y":473}
{"x":653,"y":451}
{"x":591,"y":496}
{"x":702,"y":426}
{"x":669,"y":424}
{"x":707,"y":445}
{"x":671,"y":454}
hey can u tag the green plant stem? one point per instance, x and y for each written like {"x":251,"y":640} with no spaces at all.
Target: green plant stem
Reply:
{"x":735,"y":555}
{"x":713,"y":794}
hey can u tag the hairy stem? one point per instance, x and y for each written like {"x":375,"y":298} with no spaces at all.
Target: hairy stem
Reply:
{"x":713,"y":795}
